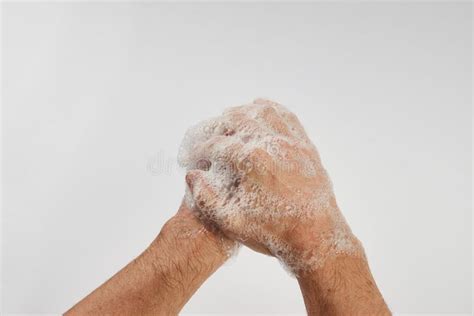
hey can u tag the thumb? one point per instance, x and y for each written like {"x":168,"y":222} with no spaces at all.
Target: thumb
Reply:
{"x":203,"y":192}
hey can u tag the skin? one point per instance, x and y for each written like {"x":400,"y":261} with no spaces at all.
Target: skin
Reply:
{"x":161,"y":280}
{"x":292,"y":215}
{"x":342,"y":286}
{"x":314,"y":240}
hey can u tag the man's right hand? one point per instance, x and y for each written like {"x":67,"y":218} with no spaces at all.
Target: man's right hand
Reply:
{"x":258,"y":178}
{"x":266,"y":187}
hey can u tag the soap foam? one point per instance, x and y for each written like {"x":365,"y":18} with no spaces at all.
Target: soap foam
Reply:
{"x":263,"y":138}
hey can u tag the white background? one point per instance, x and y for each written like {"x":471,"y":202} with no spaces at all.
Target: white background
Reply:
{"x":96,"y":99}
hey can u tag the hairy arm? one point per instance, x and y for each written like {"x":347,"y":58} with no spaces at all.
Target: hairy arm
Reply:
{"x":165,"y":276}
{"x":342,"y":286}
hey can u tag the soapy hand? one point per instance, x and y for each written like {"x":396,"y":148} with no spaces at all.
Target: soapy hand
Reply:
{"x":254,"y":174}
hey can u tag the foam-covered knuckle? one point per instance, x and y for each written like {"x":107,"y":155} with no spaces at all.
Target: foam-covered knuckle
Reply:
{"x":204,"y":200}
{"x":268,"y":111}
{"x":260,"y":160}
{"x":199,"y":187}
{"x":263,"y":101}
{"x":279,"y":126}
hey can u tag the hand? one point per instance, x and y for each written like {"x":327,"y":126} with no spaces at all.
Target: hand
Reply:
{"x":263,"y":184}
{"x":255,"y":174}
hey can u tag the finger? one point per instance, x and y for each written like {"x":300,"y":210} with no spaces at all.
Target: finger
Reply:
{"x":291,"y":120}
{"x":205,"y":196}
{"x":269,"y":116}
{"x":295,"y":125}
{"x":194,"y":136}
{"x":219,"y":153}
{"x":263,"y":101}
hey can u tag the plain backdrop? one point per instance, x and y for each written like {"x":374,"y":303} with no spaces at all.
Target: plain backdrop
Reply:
{"x":97,"y":97}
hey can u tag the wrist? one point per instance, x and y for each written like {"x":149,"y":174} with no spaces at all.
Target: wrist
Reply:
{"x":182,"y":257}
{"x":342,"y":286}
{"x":317,"y":239}
{"x":185,"y":243}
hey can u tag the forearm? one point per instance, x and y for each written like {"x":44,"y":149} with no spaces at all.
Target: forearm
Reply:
{"x":343,"y":285}
{"x":164,"y":277}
